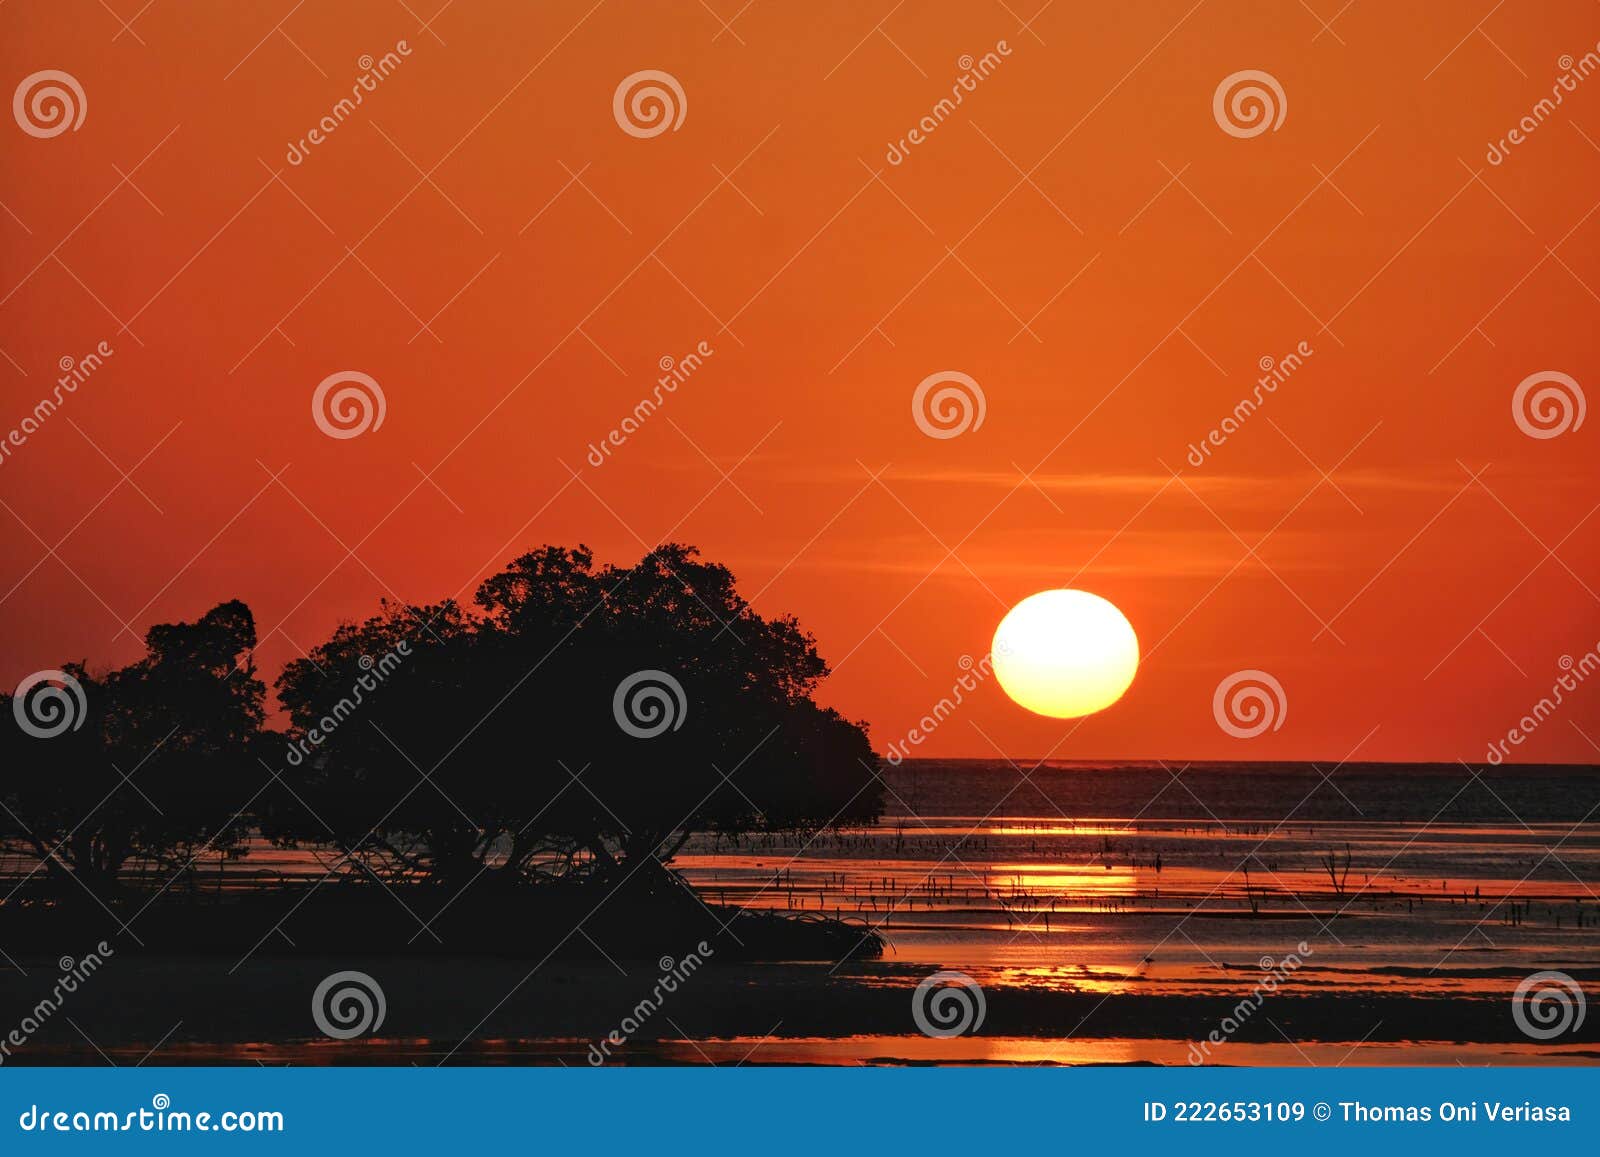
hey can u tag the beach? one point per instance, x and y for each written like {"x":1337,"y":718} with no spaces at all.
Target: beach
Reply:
{"x":1375,"y":925}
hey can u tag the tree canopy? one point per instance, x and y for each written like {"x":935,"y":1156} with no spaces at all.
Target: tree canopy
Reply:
{"x":148,"y":764}
{"x":580,"y":719}
{"x":574,"y":721}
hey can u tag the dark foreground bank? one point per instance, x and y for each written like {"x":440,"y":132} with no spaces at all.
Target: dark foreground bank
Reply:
{"x":439,"y":1009}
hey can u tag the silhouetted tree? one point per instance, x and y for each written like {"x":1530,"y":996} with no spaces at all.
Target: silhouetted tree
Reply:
{"x":151,"y":763}
{"x":584,"y":720}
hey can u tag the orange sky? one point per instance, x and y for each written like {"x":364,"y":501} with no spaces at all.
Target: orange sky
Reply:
{"x":1080,"y":236}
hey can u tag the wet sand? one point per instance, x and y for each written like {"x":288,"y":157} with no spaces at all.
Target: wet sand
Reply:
{"x":190,"y":1010}
{"x":1375,"y":921}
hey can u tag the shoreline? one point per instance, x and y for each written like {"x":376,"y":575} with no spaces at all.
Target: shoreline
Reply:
{"x":177,"y":1007}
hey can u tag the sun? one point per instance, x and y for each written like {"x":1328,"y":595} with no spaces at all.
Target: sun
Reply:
{"x":1065,"y":653}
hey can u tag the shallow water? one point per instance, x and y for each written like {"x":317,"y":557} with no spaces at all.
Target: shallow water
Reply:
{"x":1111,"y":915}
{"x":1126,"y":902}
{"x":858,"y":1050}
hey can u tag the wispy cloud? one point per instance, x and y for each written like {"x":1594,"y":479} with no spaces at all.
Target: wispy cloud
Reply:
{"x":1241,"y":487}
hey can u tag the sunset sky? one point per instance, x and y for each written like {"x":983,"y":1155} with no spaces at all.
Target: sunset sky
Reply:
{"x":1080,"y":236}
